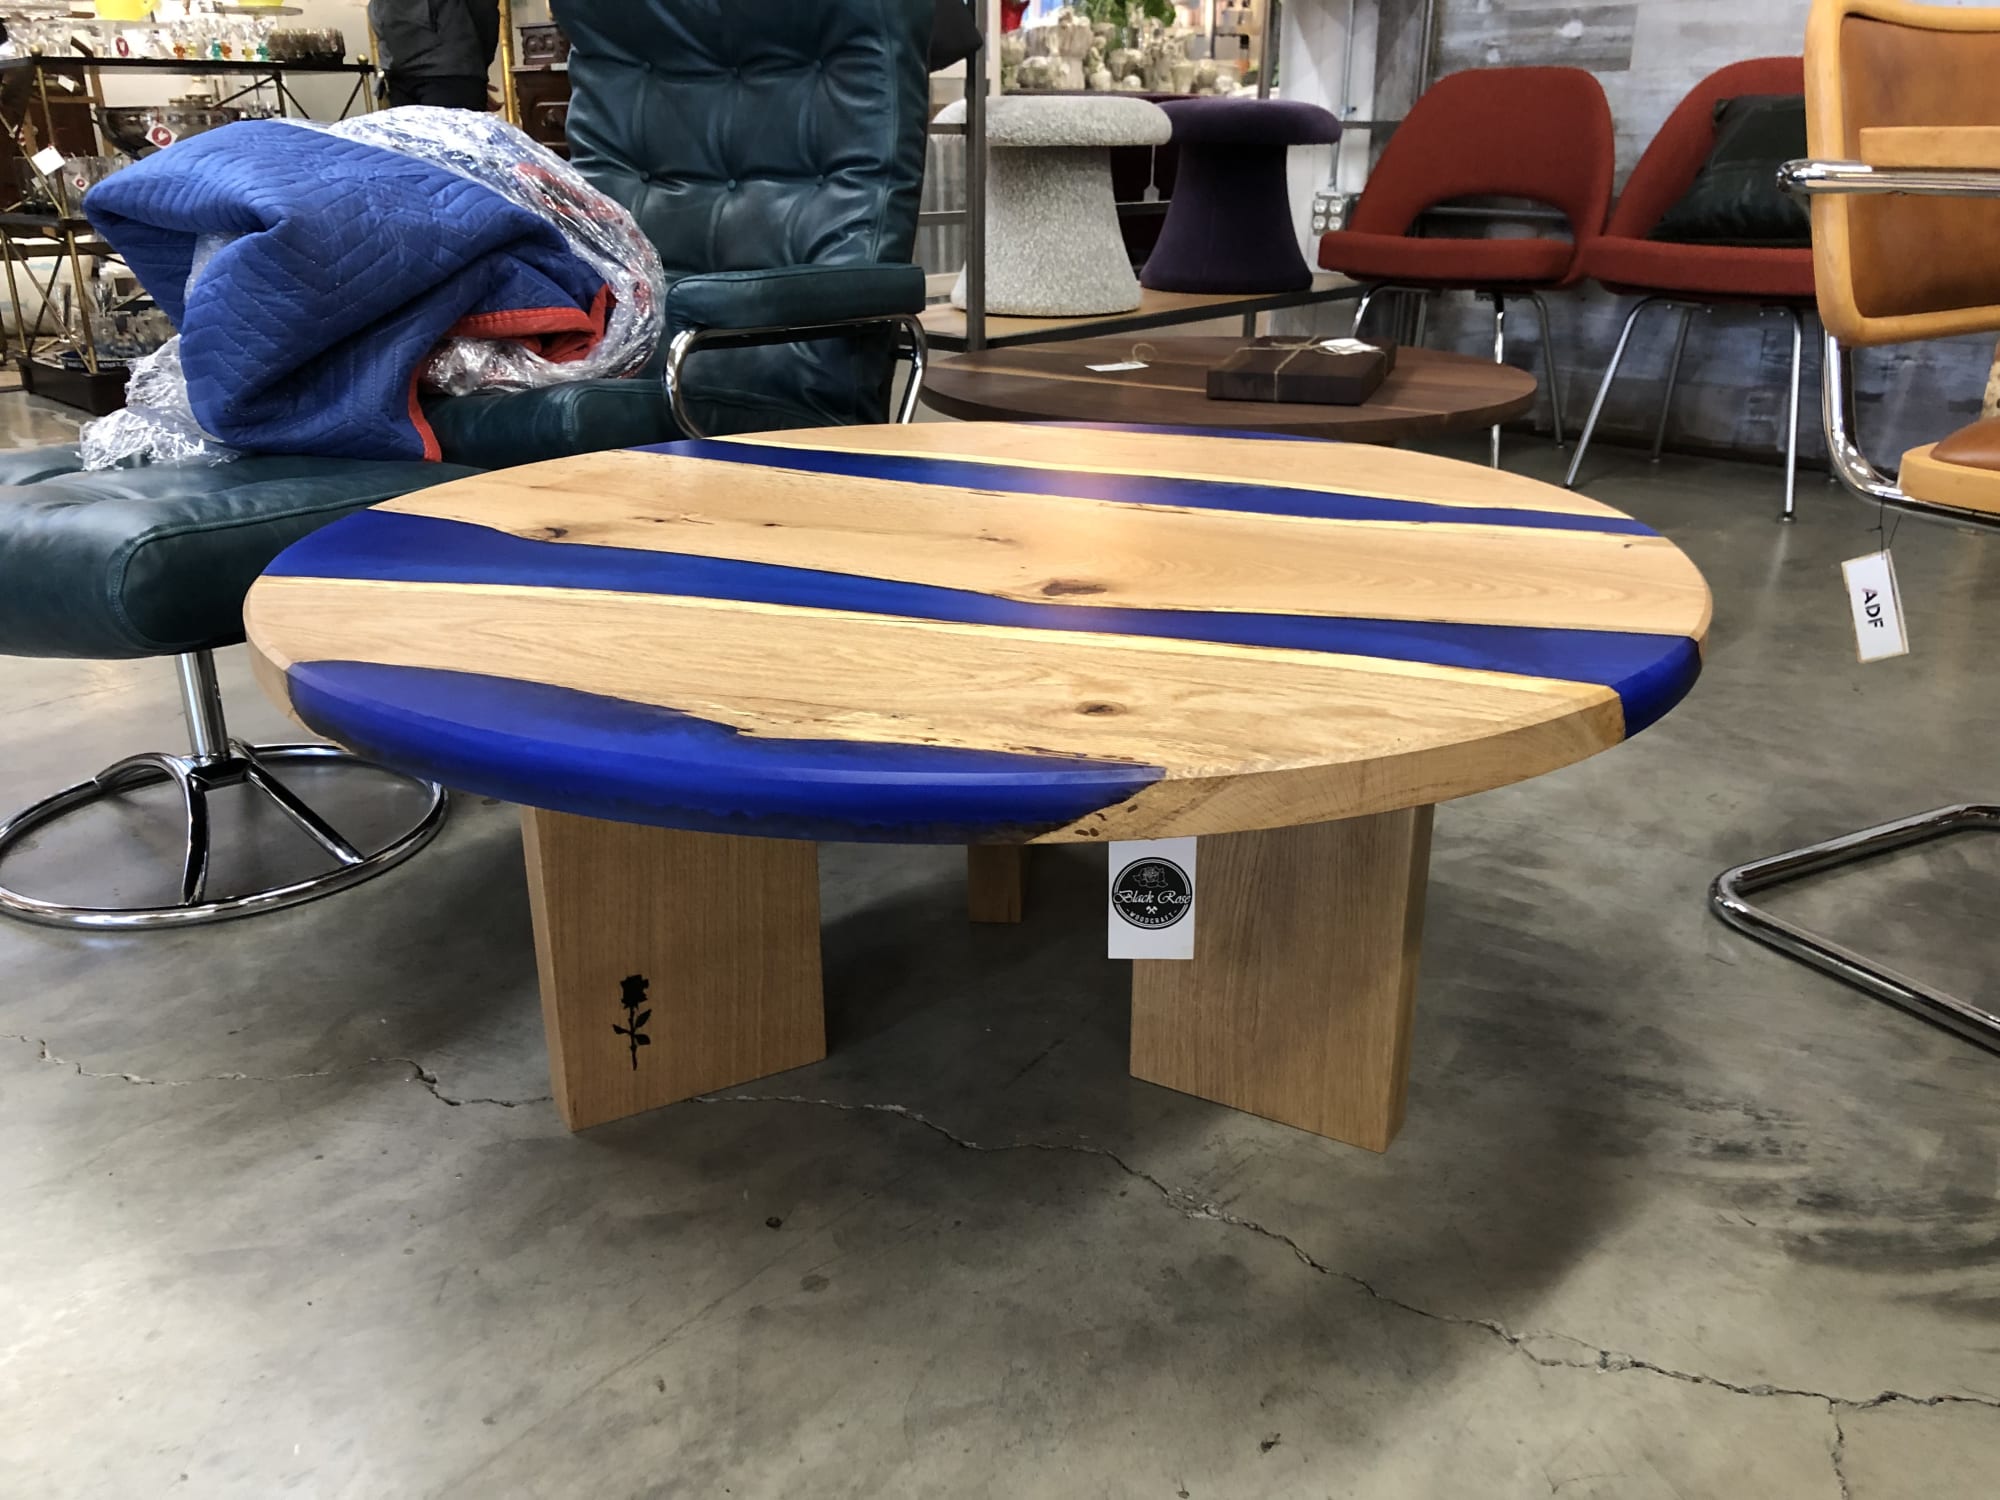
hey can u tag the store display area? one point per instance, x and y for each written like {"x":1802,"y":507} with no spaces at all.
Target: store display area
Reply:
{"x":998,"y":748}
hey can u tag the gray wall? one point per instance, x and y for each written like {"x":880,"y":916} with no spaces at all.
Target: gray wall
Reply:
{"x":1732,"y":392}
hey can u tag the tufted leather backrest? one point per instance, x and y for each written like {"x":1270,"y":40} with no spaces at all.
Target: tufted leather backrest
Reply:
{"x":751,"y":134}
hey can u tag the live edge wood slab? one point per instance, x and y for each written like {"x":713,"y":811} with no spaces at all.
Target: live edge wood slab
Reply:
{"x":691,"y":663}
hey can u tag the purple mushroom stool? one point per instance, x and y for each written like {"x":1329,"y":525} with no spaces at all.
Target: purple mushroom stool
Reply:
{"x":1229,"y":223}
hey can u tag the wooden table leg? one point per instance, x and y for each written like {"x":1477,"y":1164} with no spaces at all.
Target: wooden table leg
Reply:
{"x":996,"y":881}
{"x":671,"y":963}
{"x":1298,"y":1001}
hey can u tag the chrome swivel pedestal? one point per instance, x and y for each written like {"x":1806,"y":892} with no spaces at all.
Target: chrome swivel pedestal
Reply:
{"x":214,"y":760}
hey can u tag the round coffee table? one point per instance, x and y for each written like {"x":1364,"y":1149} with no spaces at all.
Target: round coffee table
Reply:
{"x":691,"y":662}
{"x":1428,"y":393}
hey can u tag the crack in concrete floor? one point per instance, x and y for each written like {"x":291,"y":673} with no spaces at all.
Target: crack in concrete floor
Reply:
{"x":418,"y":1072}
{"x":1602,"y":1361}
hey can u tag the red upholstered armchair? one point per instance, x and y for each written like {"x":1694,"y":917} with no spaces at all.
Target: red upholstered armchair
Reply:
{"x":1691,"y":277}
{"x":1541,"y":134}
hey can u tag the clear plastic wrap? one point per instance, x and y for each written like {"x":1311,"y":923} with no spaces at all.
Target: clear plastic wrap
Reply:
{"x":158,"y":425}
{"x":600,"y":230}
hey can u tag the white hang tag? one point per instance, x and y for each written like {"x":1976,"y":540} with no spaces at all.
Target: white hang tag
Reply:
{"x":1877,"y":606}
{"x":1123,"y":364}
{"x":1151,"y":899}
{"x":48,"y":161}
{"x":1349,"y":346}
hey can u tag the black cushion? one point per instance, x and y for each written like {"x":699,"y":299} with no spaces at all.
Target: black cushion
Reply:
{"x":1735,"y":198}
{"x":954,"y":35}
{"x":155,"y":561}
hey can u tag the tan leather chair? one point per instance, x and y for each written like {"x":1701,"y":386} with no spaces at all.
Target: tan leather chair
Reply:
{"x":1903,"y":123}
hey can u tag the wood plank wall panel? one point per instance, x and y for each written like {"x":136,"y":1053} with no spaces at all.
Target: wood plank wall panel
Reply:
{"x":1535,"y":33}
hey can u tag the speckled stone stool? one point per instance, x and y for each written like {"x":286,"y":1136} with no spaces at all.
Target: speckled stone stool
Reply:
{"x":1229,"y":223}
{"x":1053,"y":248}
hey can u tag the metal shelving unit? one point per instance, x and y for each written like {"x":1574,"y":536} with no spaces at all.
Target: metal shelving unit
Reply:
{"x":973,"y":328}
{"x":950,"y":329}
{"x":62,"y":327}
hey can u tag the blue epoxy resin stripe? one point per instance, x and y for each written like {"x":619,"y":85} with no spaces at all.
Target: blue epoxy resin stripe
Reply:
{"x":605,"y":757}
{"x":1136,"y":489}
{"x":1650,"y":673}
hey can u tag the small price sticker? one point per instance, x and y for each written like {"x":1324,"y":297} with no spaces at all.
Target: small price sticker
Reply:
{"x":1877,"y":606}
{"x":1151,"y":910}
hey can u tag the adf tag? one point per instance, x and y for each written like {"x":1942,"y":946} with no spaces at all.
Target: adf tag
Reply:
{"x":1878,"y":608}
{"x":1152,"y":899}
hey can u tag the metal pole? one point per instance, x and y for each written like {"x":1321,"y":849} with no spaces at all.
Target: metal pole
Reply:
{"x":1792,"y":417}
{"x":1267,"y":65}
{"x":97,"y":109}
{"x":14,"y":296}
{"x":975,"y":186}
{"x":201,"y":703}
{"x":1673,"y":378}
{"x":1347,"y":64}
{"x":85,"y":335}
{"x":510,"y":100}
{"x":378,"y":81}
{"x":1499,"y":357}
{"x":1427,"y":60}
{"x":86,"y":345}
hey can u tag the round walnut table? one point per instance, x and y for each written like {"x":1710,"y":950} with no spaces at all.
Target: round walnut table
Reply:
{"x":690,"y":663}
{"x":1428,"y":393}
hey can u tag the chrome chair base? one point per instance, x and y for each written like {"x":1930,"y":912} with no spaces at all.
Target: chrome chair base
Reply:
{"x":1728,"y":899}
{"x":196,"y":776}
{"x":1499,"y":301}
{"x":1687,"y":311}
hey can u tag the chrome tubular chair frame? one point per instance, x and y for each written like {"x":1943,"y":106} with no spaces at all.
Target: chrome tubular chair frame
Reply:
{"x":1687,"y":311}
{"x":214,"y":760}
{"x":912,"y":348}
{"x":1728,"y":897}
{"x":1499,"y":300}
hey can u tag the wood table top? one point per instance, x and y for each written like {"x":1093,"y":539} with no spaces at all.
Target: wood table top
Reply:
{"x":954,"y":632}
{"x":1429,"y":392}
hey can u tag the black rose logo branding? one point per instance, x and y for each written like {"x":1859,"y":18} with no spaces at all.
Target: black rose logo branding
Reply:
{"x":637,"y":1014}
{"x":1152,"y":893}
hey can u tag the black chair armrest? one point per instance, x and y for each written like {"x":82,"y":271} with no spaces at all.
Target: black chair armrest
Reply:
{"x":794,"y":297}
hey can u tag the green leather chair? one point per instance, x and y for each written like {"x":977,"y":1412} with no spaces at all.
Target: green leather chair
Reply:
{"x":772,"y":149}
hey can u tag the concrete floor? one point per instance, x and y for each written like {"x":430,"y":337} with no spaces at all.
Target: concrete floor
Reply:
{"x":286,"y":1211}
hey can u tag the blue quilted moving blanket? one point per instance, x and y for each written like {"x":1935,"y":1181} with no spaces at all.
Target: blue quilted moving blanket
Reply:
{"x":306,"y":331}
